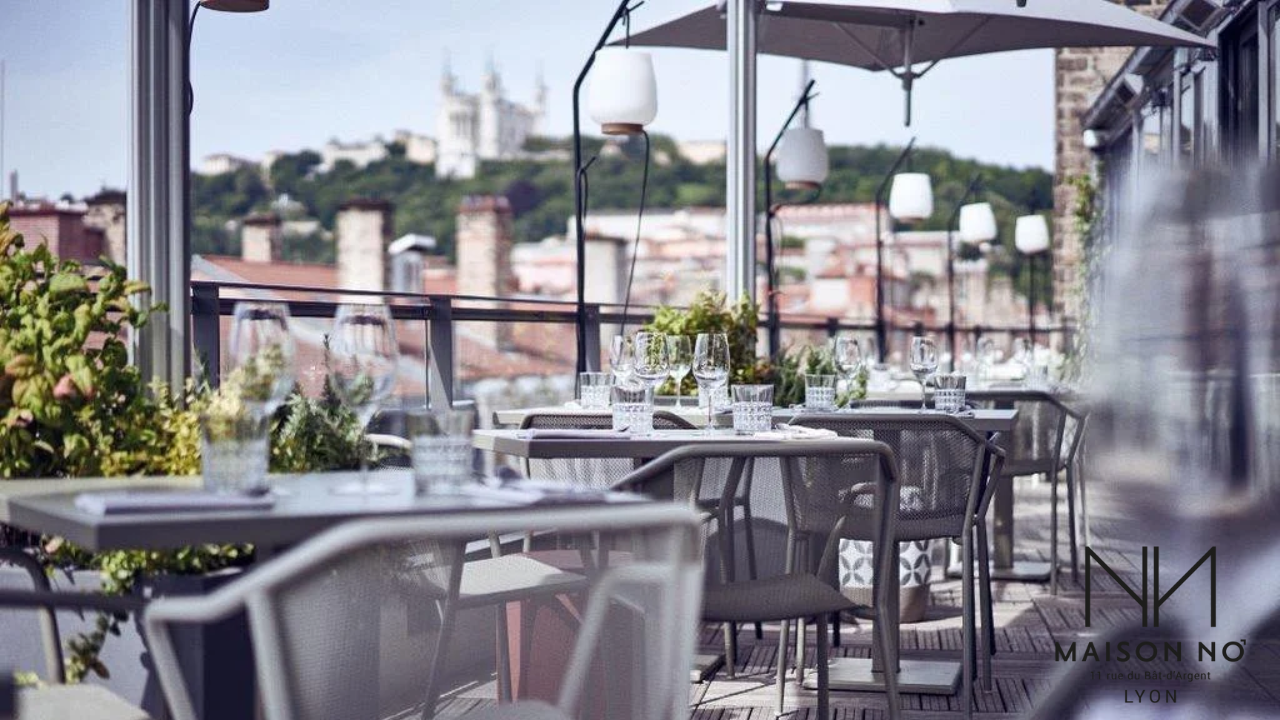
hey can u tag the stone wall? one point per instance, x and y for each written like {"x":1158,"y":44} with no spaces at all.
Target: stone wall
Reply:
{"x":1080,"y":74}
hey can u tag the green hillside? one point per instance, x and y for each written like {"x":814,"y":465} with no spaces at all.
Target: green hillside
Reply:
{"x":541,"y":192}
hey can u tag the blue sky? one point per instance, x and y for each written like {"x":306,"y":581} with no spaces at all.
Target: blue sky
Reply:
{"x":309,"y":70}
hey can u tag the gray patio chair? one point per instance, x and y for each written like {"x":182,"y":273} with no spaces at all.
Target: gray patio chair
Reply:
{"x":55,"y":701}
{"x":605,"y":472}
{"x":1046,"y":440}
{"x":949,"y":466}
{"x":328,"y":619}
{"x":834,"y":489}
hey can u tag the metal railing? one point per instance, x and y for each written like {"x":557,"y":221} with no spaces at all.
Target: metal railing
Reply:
{"x":441,"y":314}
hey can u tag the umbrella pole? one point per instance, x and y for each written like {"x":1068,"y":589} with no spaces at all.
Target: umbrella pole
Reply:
{"x":740,"y":180}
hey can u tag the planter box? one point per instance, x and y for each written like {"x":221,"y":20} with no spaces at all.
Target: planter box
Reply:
{"x":216,"y":657}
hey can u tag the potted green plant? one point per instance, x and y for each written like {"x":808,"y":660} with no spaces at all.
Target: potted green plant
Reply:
{"x":71,"y":405}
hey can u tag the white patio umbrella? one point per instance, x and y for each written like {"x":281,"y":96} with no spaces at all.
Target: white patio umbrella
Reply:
{"x":898,"y":35}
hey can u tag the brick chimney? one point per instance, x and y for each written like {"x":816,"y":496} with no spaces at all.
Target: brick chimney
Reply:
{"x":260,"y":238}
{"x":61,"y":226}
{"x":484,"y":237}
{"x":364,"y":230}
{"x":106,"y":213}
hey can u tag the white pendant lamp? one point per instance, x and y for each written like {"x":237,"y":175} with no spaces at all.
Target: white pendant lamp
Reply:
{"x":802,"y":159}
{"x":1031,"y":234}
{"x":977,"y":224}
{"x":911,"y":199}
{"x":624,"y":94}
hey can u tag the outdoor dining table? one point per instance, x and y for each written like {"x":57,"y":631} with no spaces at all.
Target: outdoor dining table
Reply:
{"x":918,"y":676}
{"x":304,"y":507}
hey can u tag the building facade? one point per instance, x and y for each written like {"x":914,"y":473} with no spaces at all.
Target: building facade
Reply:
{"x":471,"y":127}
{"x":1184,"y":108}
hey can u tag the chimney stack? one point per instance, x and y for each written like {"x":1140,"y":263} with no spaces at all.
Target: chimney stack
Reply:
{"x":260,"y":238}
{"x":484,"y":238}
{"x":107,"y":213}
{"x":364,"y":231}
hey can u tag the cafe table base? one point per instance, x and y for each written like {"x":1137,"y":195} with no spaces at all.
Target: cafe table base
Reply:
{"x":1035,"y":571}
{"x":922,"y":677}
{"x":705,"y":666}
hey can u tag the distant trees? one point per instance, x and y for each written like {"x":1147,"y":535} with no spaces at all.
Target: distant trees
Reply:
{"x":541,"y":193}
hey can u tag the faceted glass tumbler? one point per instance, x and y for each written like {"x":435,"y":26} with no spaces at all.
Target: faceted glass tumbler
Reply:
{"x":593,"y":390}
{"x":442,"y":452}
{"x":633,"y":408}
{"x":752,"y":408}
{"x":820,"y":392}
{"x":233,"y":451}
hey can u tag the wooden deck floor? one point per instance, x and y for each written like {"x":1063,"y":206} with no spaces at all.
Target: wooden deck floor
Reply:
{"x":1028,"y":620}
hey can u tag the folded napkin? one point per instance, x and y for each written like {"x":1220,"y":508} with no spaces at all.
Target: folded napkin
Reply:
{"x":552,"y":434}
{"x":797,"y":432}
{"x":544,"y":492}
{"x":152,"y":501}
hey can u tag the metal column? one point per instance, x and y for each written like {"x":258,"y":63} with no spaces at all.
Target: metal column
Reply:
{"x":740,"y":235}
{"x":158,"y":244}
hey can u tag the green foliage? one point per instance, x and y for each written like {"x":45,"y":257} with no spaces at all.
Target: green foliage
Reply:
{"x":70,"y":402}
{"x":787,"y":375}
{"x":709,"y":313}
{"x":542,"y":191}
{"x":71,"y":405}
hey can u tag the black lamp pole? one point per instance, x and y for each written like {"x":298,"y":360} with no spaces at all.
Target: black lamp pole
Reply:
{"x":881,"y":328}
{"x":1031,"y":302}
{"x":621,"y":12}
{"x":771,"y":298}
{"x":951,"y":266}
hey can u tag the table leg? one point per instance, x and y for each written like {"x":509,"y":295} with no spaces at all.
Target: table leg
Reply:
{"x":1004,"y":567}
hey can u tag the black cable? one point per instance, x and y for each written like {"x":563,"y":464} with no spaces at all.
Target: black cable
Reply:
{"x":191,"y":30}
{"x":635,"y":248}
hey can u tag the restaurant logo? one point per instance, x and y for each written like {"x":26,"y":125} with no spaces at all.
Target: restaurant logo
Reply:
{"x":1211,"y":556}
{"x":1150,"y":602}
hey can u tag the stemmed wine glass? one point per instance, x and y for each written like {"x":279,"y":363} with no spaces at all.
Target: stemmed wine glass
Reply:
{"x":987,"y":356}
{"x":263,"y":354}
{"x":361,"y":357}
{"x":651,"y":364}
{"x":711,"y":368}
{"x":924,"y":361}
{"x":680,"y":355}
{"x":849,"y":359}
{"x":622,"y":357}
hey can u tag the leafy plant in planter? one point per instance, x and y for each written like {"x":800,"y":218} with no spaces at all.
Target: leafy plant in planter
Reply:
{"x":709,"y":313}
{"x":71,"y":405}
{"x":787,"y":375}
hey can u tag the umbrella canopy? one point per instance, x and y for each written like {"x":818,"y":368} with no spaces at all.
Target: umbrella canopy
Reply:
{"x":896,"y":35}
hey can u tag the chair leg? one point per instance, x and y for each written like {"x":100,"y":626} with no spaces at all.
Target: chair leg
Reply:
{"x":783,"y":645}
{"x":730,"y":650}
{"x":886,"y":613}
{"x":824,"y":693}
{"x":1071,"y":523}
{"x":988,"y":614}
{"x":752,"y":571}
{"x":835,"y":629}
{"x":1053,"y":531}
{"x":966,"y":682}
{"x":801,"y":632}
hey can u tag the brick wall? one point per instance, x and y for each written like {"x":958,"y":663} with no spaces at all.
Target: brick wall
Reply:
{"x":61,"y":227}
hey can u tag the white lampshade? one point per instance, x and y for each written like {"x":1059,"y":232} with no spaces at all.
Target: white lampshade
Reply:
{"x":1031,"y":234}
{"x":802,"y":158}
{"x":977,"y":224}
{"x":624,"y":94}
{"x":911,"y":198}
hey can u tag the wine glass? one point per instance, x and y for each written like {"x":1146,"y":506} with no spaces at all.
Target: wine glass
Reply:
{"x":622,"y":356}
{"x":680,"y":356}
{"x":924,"y":361}
{"x":361,"y":358}
{"x":651,"y":365}
{"x":987,"y":357}
{"x":711,"y":367}
{"x":262,"y":354}
{"x":849,"y":358}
